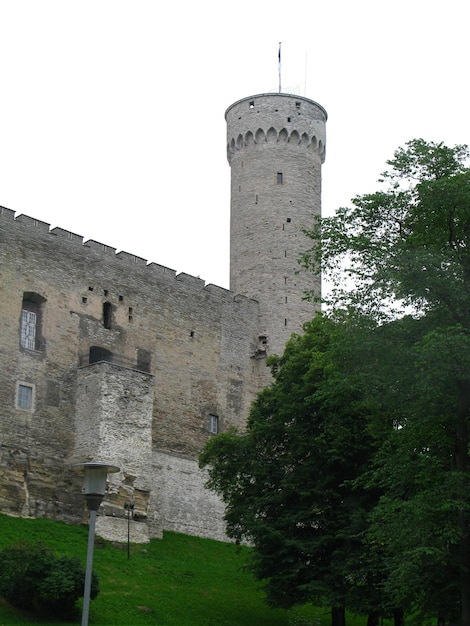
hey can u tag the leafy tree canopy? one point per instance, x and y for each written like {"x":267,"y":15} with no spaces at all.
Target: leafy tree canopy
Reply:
{"x":405,"y":245}
{"x":288,"y":481}
{"x":352,"y":480}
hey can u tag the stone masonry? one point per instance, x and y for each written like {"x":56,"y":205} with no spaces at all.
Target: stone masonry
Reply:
{"x":104,"y":356}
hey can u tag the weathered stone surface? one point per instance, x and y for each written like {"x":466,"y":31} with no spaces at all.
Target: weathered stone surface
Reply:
{"x":129,"y":360}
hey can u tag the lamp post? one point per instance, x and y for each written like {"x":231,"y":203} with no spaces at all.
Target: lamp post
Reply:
{"x":95,"y":486}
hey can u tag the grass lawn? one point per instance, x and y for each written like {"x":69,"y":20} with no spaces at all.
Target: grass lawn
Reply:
{"x":177,"y":581}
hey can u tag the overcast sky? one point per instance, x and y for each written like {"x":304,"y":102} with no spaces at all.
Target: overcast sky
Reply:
{"x":112,"y":113}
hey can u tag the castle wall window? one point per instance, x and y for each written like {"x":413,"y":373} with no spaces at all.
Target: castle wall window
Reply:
{"x":30,"y":323}
{"x":279,"y":178}
{"x":144,"y":360}
{"x":97,"y":353}
{"x":107,"y":314}
{"x":24,"y":396}
{"x":28,"y":329}
{"x":213,"y":424}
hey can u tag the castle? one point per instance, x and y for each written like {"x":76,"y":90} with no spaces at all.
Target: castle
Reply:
{"x":104,"y":356}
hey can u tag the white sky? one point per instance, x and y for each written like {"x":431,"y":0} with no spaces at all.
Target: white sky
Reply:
{"x":112,"y":113}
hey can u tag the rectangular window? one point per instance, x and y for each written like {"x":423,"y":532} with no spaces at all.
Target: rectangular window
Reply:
{"x":279,"y":178}
{"x":24,"y":397}
{"x":213,"y":424}
{"x":28,"y":329}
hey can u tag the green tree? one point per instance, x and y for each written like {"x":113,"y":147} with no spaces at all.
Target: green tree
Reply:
{"x":288,"y":480}
{"x":406,"y":249}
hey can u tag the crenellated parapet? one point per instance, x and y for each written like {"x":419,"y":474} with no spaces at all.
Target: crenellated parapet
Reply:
{"x":33,"y":229}
{"x":269,"y":119}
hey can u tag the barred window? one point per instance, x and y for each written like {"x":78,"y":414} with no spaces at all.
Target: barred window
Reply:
{"x":28,"y":329}
{"x":31,"y":321}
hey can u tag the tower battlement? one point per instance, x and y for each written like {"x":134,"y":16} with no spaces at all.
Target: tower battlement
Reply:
{"x":275,"y":118}
{"x":60,"y":239}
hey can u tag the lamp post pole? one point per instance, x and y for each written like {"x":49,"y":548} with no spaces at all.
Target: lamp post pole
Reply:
{"x":129,"y":507}
{"x":95,"y":486}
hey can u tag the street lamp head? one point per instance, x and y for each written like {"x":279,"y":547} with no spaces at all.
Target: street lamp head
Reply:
{"x":95,"y":481}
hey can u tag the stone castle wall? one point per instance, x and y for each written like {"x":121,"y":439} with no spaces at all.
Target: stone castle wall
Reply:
{"x":175,"y":352}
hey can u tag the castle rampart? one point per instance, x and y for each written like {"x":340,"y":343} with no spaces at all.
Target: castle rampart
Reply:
{"x":132,"y":324}
{"x":105,"y":356}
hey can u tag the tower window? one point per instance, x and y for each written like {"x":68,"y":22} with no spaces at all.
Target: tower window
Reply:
{"x":279,"y":178}
{"x":213,"y":424}
{"x":252,"y":104}
{"x":288,"y":119}
{"x":297,"y":105}
{"x":288,"y":220}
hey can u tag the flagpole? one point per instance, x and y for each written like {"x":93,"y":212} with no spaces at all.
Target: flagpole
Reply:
{"x":279,"y":64}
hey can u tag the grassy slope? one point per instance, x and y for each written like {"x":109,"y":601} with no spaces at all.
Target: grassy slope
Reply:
{"x":177,"y":581}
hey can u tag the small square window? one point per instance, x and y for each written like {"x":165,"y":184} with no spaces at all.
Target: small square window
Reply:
{"x":213,"y":424}
{"x":24,"y":396}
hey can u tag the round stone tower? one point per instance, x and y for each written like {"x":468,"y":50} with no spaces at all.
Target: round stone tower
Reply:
{"x":275,"y":147}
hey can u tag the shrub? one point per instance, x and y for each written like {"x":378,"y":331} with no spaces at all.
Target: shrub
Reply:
{"x":32,"y":577}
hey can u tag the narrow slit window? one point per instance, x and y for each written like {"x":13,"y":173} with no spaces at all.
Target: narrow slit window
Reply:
{"x":107,"y":314}
{"x":279,"y":178}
